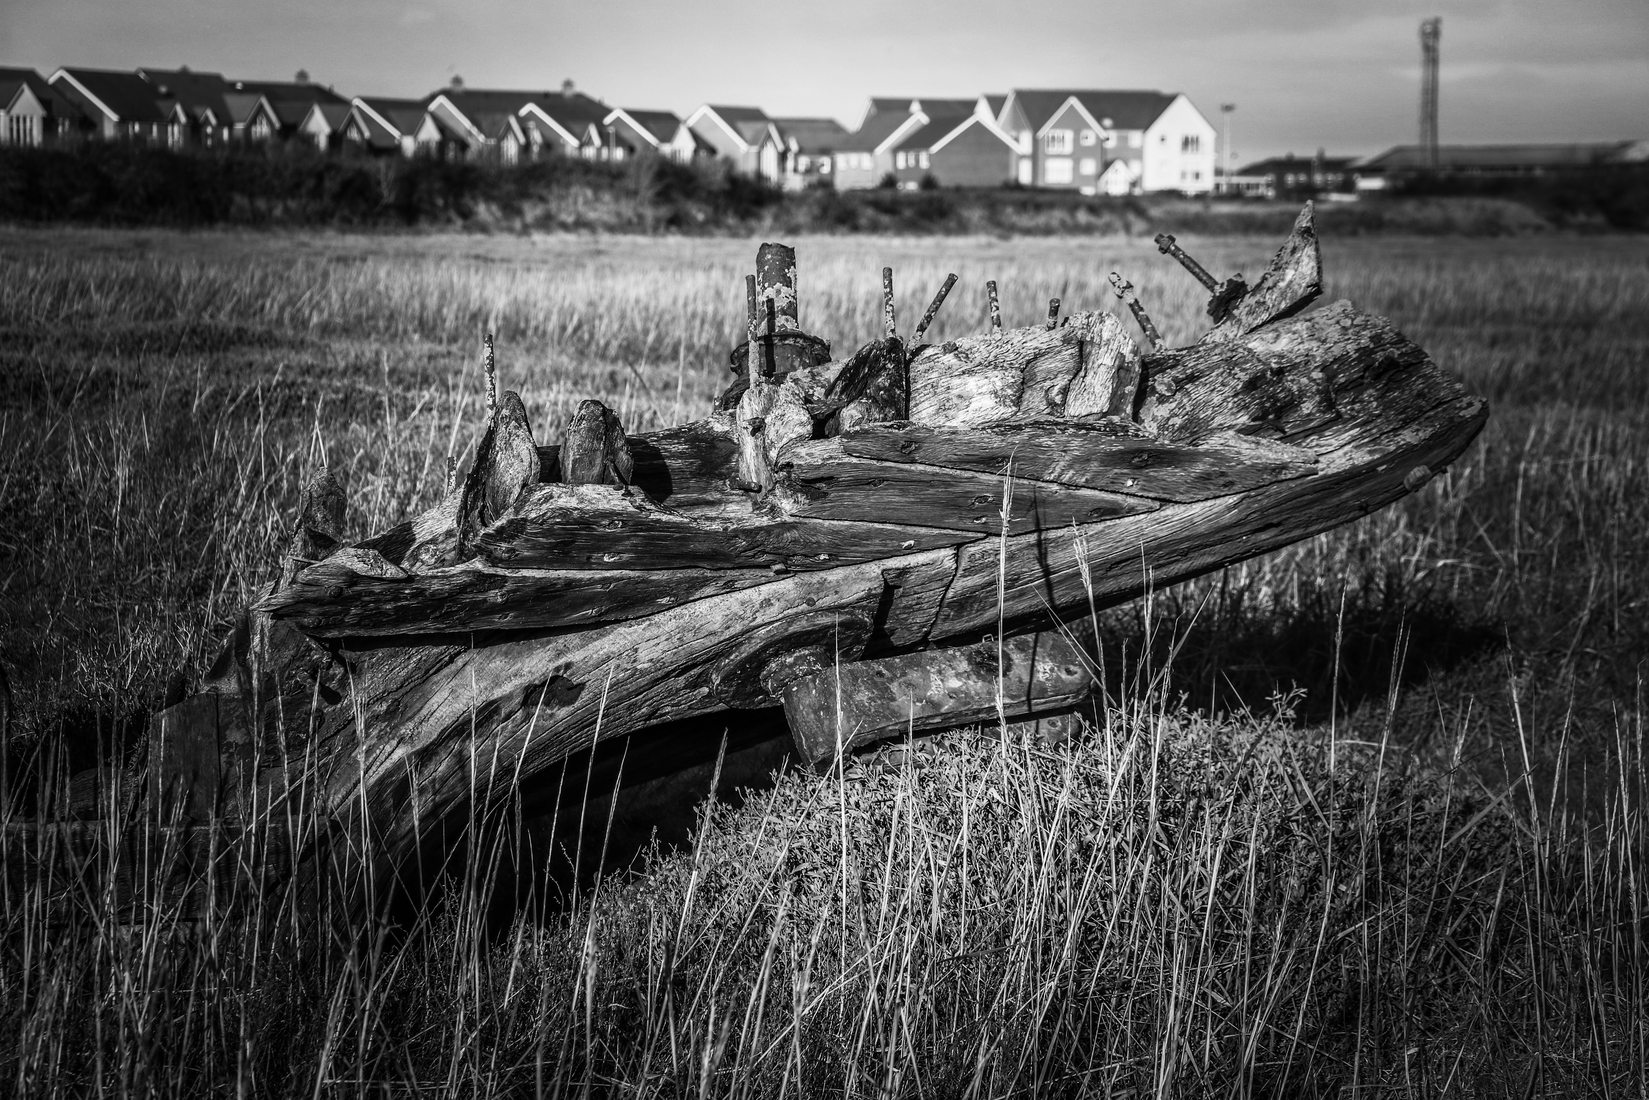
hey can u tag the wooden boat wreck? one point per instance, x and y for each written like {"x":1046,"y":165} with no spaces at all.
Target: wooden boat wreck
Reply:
{"x":837,"y":538}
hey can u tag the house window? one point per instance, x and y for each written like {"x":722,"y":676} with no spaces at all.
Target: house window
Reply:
{"x":1089,"y":137}
{"x":1057,"y":171}
{"x":1190,"y":143}
{"x":899,"y":159}
{"x":1134,"y":139}
{"x":1057,"y":143}
{"x":921,"y":160}
{"x":260,"y":128}
{"x":803,"y":163}
{"x":824,"y":167}
{"x":1087,"y":166}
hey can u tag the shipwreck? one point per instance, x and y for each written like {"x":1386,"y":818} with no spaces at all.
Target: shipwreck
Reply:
{"x":882,"y":543}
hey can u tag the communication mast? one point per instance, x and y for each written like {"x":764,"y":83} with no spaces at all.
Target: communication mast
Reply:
{"x":1430,"y":31}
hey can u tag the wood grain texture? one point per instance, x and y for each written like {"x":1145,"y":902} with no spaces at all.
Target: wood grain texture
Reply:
{"x":822,"y":481}
{"x":1130,"y":555}
{"x":1112,"y":455}
{"x":557,"y":527}
{"x":1292,"y":282}
{"x":840,"y":707}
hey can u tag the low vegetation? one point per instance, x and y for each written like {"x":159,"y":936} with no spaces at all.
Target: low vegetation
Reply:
{"x":1367,"y":813}
{"x":298,"y":186}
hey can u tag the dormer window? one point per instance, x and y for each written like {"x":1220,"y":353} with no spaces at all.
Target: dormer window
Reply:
{"x":1089,"y":137}
{"x":1057,"y":143}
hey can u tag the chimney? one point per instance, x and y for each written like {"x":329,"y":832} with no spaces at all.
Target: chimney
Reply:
{"x":302,"y":76}
{"x":457,"y":83}
{"x":567,"y":87}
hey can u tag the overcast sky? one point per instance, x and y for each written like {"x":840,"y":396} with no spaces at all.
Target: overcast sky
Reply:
{"x":1338,"y":74}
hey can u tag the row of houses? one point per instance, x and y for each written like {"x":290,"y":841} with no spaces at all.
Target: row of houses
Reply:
{"x":1096,"y":142}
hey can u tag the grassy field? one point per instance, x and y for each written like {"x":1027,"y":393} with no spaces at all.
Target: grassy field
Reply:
{"x":1362,"y":815}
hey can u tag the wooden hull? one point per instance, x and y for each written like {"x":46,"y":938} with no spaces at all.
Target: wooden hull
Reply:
{"x":720,"y":565}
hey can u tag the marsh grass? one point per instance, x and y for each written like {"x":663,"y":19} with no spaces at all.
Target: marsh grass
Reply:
{"x":1422,"y":876}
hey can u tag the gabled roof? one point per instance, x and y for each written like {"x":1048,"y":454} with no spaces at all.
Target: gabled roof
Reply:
{"x":571,"y":114}
{"x":241,"y":106}
{"x":994,"y":104}
{"x":332,"y":114}
{"x":1401,"y":157}
{"x":1112,"y":109}
{"x":745,"y":125}
{"x":13,"y":81}
{"x":879,"y":124}
{"x":291,"y":112}
{"x":940,"y":130}
{"x":883,"y":104}
{"x":125,"y":96}
{"x":936,"y":107}
{"x":198,"y":93}
{"x":397,"y":117}
{"x":661,"y":126}
{"x":812,"y":135}
{"x":288,"y":91}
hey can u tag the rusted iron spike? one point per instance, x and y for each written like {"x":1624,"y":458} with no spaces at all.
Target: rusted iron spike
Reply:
{"x":1169,"y":247}
{"x":933,"y":308}
{"x":1226,"y":294}
{"x":492,"y":375}
{"x":1053,"y":312}
{"x":1125,"y":290}
{"x":887,"y":302}
{"x":996,"y":305}
{"x":769,"y":362}
{"x":753,"y":368}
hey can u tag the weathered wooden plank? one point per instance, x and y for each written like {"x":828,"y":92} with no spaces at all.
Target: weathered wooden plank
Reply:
{"x":539,"y":697}
{"x":333,"y":602}
{"x":506,"y":463}
{"x":1108,"y":383}
{"x":1293,"y":281}
{"x":562,"y":527}
{"x":1380,"y":380}
{"x":1125,"y":557}
{"x":1113,"y":455}
{"x":823,"y":482}
{"x":1243,"y":386}
{"x":595,"y":450}
{"x":839,"y":707}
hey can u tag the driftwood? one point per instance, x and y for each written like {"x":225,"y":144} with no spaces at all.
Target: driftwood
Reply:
{"x":835,"y":522}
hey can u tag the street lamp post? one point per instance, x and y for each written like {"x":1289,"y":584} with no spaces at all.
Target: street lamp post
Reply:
{"x":1225,"y":113}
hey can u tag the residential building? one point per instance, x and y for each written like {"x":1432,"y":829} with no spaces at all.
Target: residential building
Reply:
{"x":478,"y":123}
{"x":810,"y":146}
{"x":290,"y":101}
{"x":323,"y":124}
{"x":743,"y":135}
{"x":31,"y":111}
{"x":1289,"y":176}
{"x":663,"y":133}
{"x":566,"y":122}
{"x":1071,"y":139}
{"x":865,"y":157}
{"x":201,"y":97}
{"x":382,"y":126}
{"x":955,"y":145}
{"x":121,"y":106}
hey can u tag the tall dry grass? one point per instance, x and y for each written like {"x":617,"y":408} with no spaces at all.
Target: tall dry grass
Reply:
{"x":1420,"y":877}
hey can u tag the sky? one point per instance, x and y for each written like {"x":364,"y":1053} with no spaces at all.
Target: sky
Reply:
{"x":1341,"y":75}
